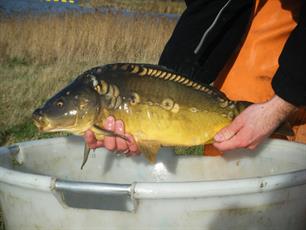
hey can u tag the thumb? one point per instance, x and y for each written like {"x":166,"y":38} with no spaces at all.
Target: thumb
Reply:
{"x":228,"y":132}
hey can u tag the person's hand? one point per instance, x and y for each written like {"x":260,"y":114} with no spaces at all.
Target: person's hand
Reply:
{"x":116,"y":144}
{"x":253,"y":125}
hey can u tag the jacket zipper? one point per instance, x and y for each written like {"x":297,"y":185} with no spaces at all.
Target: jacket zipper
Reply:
{"x":197,"y":49}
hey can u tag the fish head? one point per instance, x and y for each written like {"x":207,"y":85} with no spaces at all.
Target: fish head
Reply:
{"x":74,"y":109}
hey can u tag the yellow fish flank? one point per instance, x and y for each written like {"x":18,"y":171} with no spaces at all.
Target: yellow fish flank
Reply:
{"x":158,"y":107}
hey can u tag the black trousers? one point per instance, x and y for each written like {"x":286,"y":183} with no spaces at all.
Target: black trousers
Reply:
{"x":206,"y":35}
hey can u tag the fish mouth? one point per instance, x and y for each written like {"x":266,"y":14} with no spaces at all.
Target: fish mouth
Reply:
{"x":45,"y":125}
{"x":41,"y":122}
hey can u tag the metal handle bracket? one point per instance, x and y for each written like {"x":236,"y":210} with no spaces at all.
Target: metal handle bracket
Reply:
{"x":91,"y":195}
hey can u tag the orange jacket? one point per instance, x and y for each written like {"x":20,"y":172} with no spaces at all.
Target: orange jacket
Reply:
{"x":248,"y":75}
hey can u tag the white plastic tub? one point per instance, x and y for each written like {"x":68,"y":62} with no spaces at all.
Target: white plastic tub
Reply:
{"x":42,"y":187}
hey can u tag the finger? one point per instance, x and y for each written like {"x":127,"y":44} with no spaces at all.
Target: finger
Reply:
{"x":91,"y":140}
{"x":228,"y":132}
{"x":120,"y":143}
{"x":239,"y":140}
{"x":99,"y":143}
{"x":242,"y":139}
{"x":132,"y":146}
{"x":89,"y":137}
{"x":109,"y":141}
{"x":231,"y":144}
{"x":252,"y":147}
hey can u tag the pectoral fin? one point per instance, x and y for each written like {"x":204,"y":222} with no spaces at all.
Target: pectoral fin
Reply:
{"x":150,"y":150}
{"x":104,"y":132}
{"x":86,"y":154}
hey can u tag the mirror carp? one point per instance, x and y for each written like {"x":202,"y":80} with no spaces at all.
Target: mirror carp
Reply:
{"x":158,"y":107}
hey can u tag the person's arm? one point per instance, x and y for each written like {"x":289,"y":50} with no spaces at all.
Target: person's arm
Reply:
{"x":258,"y":121}
{"x":253,"y":125}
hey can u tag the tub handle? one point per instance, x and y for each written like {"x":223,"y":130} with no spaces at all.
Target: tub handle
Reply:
{"x":12,"y":150}
{"x":14,"y":153}
{"x":91,"y":195}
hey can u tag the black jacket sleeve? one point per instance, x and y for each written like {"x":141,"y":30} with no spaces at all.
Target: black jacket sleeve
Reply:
{"x":289,"y":81}
{"x":226,"y":33}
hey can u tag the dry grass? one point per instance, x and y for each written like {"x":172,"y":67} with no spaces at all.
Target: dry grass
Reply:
{"x":160,"y":6}
{"x":40,"y":54}
{"x":83,"y":37}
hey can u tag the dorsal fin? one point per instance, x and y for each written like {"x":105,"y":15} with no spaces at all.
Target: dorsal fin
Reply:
{"x":157,"y":71}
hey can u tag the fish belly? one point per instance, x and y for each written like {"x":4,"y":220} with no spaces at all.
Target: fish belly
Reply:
{"x":178,"y":128}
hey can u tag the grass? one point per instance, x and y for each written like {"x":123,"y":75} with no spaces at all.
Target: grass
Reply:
{"x":41,"y":54}
{"x":23,"y":132}
{"x":152,"y":6}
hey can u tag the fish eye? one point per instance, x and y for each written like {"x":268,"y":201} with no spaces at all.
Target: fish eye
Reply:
{"x":82,"y":106}
{"x":59,"y":104}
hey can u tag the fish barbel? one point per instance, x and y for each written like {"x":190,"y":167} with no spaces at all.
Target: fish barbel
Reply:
{"x":158,"y":107}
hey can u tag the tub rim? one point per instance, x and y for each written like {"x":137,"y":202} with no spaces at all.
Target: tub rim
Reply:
{"x":152,"y":190}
